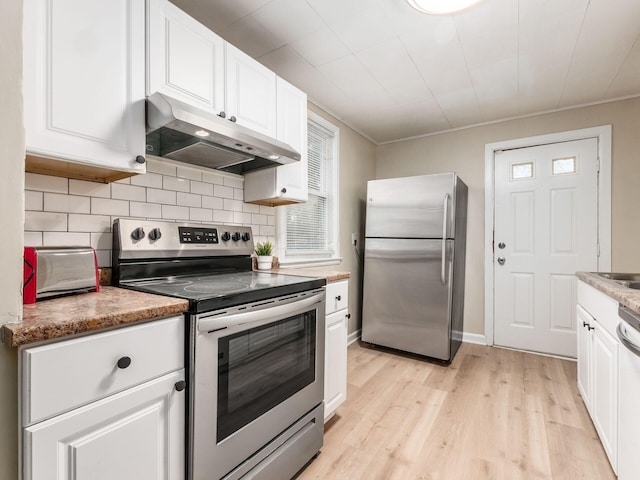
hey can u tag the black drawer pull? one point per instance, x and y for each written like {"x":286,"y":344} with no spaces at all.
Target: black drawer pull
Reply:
{"x":124,"y":362}
{"x":338,"y":297}
{"x":181,"y":385}
{"x":348,"y":315}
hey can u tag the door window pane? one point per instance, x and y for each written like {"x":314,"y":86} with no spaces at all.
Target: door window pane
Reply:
{"x":522,"y":170}
{"x":561,"y":166}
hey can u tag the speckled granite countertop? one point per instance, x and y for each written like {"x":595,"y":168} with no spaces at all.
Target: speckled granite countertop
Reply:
{"x":626,"y":296}
{"x":329,"y":275}
{"x":64,"y":316}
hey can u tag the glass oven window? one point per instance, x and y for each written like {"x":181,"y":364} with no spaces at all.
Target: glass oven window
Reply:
{"x":261,"y":367}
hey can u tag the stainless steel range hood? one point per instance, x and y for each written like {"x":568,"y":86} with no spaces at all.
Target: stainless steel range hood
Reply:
{"x":187,"y":134}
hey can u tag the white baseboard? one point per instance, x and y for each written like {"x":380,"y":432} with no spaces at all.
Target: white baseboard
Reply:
{"x":474,"y":338}
{"x":466,"y":337}
{"x":353,"y":337}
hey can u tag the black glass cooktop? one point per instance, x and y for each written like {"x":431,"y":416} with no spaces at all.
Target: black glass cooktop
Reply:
{"x":211,"y":292}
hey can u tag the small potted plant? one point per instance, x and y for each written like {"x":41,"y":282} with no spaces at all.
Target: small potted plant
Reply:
{"x":264,"y":252}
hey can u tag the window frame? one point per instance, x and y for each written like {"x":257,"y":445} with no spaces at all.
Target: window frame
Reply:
{"x":305,"y":260}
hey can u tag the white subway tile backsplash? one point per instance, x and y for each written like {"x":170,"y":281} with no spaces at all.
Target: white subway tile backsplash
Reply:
{"x":126,"y":181}
{"x":32,"y":239}
{"x":66,"y":239}
{"x":75,"y":212}
{"x":258,"y":219}
{"x":156,"y":165}
{"x":128,"y":192}
{"x":102,"y":241}
{"x":46,"y":183}
{"x":213,"y":178}
{"x":201,"y":215}
{"x":153,"y":180}
{"x":45,"y":221}
{"x":106,"y":206}
{"x":222,"y":216}
{"x":171,"y":212}
{"x":233,"y":205}
{"x":222,"y":191}
{"x":234,"y":182}
{"x":188,"y":199}
{"x":89,"y":189}
{"x":161,"y":196}
{"x":201,"y":188}
{"x":33,"y":200}
{"x":241,"y":217}
{"x":89,"y":223}
{"x":214,"y":203}
{"x":190,"y":173}
{"x":145,"y":210}
{"x":177,"y":184}
{"x":56,"y":202}
{"x":267,"y":230}
{"x":250,"y":208}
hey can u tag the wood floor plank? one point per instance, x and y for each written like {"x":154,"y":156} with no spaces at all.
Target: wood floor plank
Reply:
{"x":492,"y":414}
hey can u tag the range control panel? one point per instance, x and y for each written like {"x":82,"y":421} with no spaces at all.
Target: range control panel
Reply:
{"x":154,"y":238}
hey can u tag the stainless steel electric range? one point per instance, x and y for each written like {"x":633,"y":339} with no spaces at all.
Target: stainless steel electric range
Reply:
{"x":255,"y":346}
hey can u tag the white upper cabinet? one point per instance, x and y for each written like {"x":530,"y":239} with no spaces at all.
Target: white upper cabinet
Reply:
{"x":185,"y":58}
{"x":84,"y":83}
{"x":250,"y":92}
{"x":288,"y":183}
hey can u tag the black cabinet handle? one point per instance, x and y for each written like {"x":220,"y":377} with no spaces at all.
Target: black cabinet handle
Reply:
{"x":140,"y":159}
{"x":348,"y":315}
{"x":338,"y":297}
{"x":124,"y":362}
{"x":181,"y":385}
{"x":284,"y":190}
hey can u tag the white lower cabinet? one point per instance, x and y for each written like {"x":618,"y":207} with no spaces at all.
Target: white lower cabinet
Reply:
{"x":117,"y":405}
{"x":335,"y":354}
{"x":597,"y":318}
{"x":137,"y":434}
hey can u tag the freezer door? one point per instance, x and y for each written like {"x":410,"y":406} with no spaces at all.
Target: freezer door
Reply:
{"x":412,"y":207}
{"x":407,"y":295}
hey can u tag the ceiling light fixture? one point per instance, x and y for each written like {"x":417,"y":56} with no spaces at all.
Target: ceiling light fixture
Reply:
{"x":441,"y":7}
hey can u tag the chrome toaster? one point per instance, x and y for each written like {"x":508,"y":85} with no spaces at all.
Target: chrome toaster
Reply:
{"x":53,"y":271}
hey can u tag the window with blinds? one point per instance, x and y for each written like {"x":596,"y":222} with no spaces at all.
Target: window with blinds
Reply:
{"x":311,"y":227}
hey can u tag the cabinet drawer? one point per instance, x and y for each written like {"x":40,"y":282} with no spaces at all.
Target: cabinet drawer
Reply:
{"x":337,"y":296}
{"x":68,"y":374}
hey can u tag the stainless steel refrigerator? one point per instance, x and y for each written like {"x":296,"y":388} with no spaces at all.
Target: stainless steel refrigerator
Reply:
{"x":415,"y":243}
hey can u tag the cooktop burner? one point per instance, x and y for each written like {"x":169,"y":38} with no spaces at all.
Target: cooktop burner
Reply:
{"x":207,"y":292}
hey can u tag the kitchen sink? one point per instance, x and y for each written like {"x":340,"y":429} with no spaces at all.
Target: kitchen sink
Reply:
{"x":627,"y":277}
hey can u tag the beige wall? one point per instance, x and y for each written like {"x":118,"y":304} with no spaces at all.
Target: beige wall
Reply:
{"x":357,"y":166}
{"x":12,"y":219}
{"x":463,"y":152}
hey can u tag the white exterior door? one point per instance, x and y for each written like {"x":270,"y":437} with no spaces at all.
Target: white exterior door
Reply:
{"x":546,"y":229}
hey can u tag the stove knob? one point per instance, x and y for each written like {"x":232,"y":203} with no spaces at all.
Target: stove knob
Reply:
{"x":155,"y":234}
{"x":137,"y":234}
{"x":236,"y":236}
{"x":225,"y":237}
{"x":246,"y":237}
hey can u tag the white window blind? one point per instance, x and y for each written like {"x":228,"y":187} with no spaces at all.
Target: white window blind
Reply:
{"x":311,"y":226}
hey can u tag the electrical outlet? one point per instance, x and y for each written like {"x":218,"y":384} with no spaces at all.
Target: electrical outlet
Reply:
{"x":354,"y":238}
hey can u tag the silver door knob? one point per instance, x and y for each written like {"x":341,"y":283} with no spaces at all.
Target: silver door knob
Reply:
{"x":501,"y":245}
{"x":501,"y":260}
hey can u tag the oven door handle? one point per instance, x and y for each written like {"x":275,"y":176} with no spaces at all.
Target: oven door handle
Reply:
{"x":263,"y":315}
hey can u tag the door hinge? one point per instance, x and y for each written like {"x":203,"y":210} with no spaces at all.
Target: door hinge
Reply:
{"x":598,"y":250}
{"x":598,"y":165}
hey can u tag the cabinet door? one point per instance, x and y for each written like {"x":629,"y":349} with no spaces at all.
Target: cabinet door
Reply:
{"x":584,"y":322}
{"x":84,"y":81}
{"x":604,"y":405}
{"x":292,"y":129}
{"x":250,"y":92}
{"x":335,"y":362}
{"x":138,"y":434}
{"x":186,"y":59}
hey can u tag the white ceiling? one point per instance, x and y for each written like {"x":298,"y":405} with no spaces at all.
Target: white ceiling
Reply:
{"x":392,"y":72}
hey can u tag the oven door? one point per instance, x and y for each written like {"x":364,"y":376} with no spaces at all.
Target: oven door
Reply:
{"x":258,"y":368}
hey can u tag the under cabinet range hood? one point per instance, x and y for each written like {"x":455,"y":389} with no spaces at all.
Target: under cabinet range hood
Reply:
{"x":184,"y":133}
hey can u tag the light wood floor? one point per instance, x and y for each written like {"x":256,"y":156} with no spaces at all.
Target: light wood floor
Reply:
{"x":492,"y":414}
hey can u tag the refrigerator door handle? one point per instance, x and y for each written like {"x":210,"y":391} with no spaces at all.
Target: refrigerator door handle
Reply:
{"x":444,"y":239}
